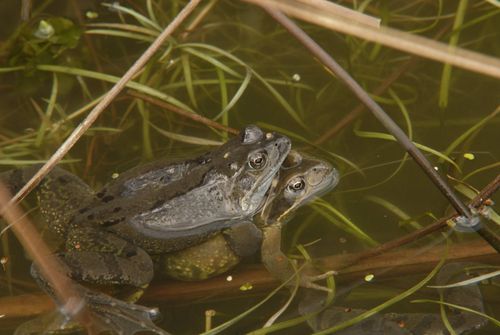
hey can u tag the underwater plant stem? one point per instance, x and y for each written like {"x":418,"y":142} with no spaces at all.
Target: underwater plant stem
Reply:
{"x":180,"y":111}
{"x":377,"y":111}
{"x":107,"y":99}
{"x":51,"y":269}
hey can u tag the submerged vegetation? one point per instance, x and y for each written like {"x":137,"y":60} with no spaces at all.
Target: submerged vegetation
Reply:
{"x":230,"y":64}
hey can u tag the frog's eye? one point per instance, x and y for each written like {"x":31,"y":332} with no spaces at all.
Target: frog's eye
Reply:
{"x":257,"y":160}
{"x":297,"y":184}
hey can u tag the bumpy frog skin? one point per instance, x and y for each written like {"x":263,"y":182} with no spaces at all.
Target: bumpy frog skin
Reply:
{"x":110,"y":237}
{"x":163,"y":213}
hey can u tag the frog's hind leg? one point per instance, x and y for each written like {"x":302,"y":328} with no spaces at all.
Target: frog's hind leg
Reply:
{"x":98,"y":258}
{"x":59,"y":194}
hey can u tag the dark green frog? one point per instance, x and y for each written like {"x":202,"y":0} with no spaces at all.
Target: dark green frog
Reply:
{"x":110,"y":237}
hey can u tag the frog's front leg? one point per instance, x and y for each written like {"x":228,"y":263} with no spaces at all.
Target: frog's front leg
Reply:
{"x":98,"y":258}
{"x":280,"y":266}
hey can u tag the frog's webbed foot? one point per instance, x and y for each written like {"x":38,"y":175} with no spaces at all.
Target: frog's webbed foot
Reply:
{"x":108,"y":315}
{"x":121,"y":317}
{"x":308,"y":281}
{"x":50,"y":323}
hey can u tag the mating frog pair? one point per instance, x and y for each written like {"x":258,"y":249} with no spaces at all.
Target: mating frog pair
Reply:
{"x":190,"y":219}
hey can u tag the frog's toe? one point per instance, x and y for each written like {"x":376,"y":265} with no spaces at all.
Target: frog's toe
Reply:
{"x":308,"y":281}
{"x":121,"y":317}
{"x":49,"y":323}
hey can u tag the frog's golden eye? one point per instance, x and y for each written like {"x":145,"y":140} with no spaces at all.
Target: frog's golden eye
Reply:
{"x":257,"y":160}
{"x":297,"y":184}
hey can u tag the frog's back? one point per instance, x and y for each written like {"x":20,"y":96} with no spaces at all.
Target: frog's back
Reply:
{"x":165,"y":207}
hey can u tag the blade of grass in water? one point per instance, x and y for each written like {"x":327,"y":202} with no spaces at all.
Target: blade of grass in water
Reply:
{"x":234,"y":320}
{"x":223,"y":99}
{"x":409,"y":128}
{"x":151,"y":12}
{"x":444,"y":316}
{"x":48,"y":113}
{"x":482,"y":169}
{"x":186,"y":138}
{"x":139,"y":17}
{"x":282,"y":101}
{"x":475,"y":280}
{"x":444,"y":89}
{"x":22,"y":162}
{"x":147,"y":149}
{"x":437,"y":19}
{"x":305,"y":140}
{"x":212,"y":60}
{"x":118,"y":33}
{"x":125,"y":28}
{"x":321,"y":205}
{"x":330,"y":296}
{"x":394,"y":210}
{"x":476,"y":127}
{"x":236,"y":97}
{"x":113,"y":79}
{"x":384,"y":136}
{"x":186,"y":69}
{"x":490,"y":318}
{"x":388,"y":303}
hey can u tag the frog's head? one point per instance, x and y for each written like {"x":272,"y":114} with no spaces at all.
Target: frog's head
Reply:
{"x":300,"y":180}
{"x":250,"y":161}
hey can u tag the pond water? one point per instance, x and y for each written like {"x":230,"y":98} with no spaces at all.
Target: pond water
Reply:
{"x":239,"y":67}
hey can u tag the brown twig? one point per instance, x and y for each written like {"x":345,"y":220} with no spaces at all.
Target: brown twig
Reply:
{"x":99,"y":108}
{"x":180,"y":111}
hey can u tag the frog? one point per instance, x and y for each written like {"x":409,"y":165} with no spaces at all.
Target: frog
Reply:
{"x":112,"y":237}
{"x":300,"y":180}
